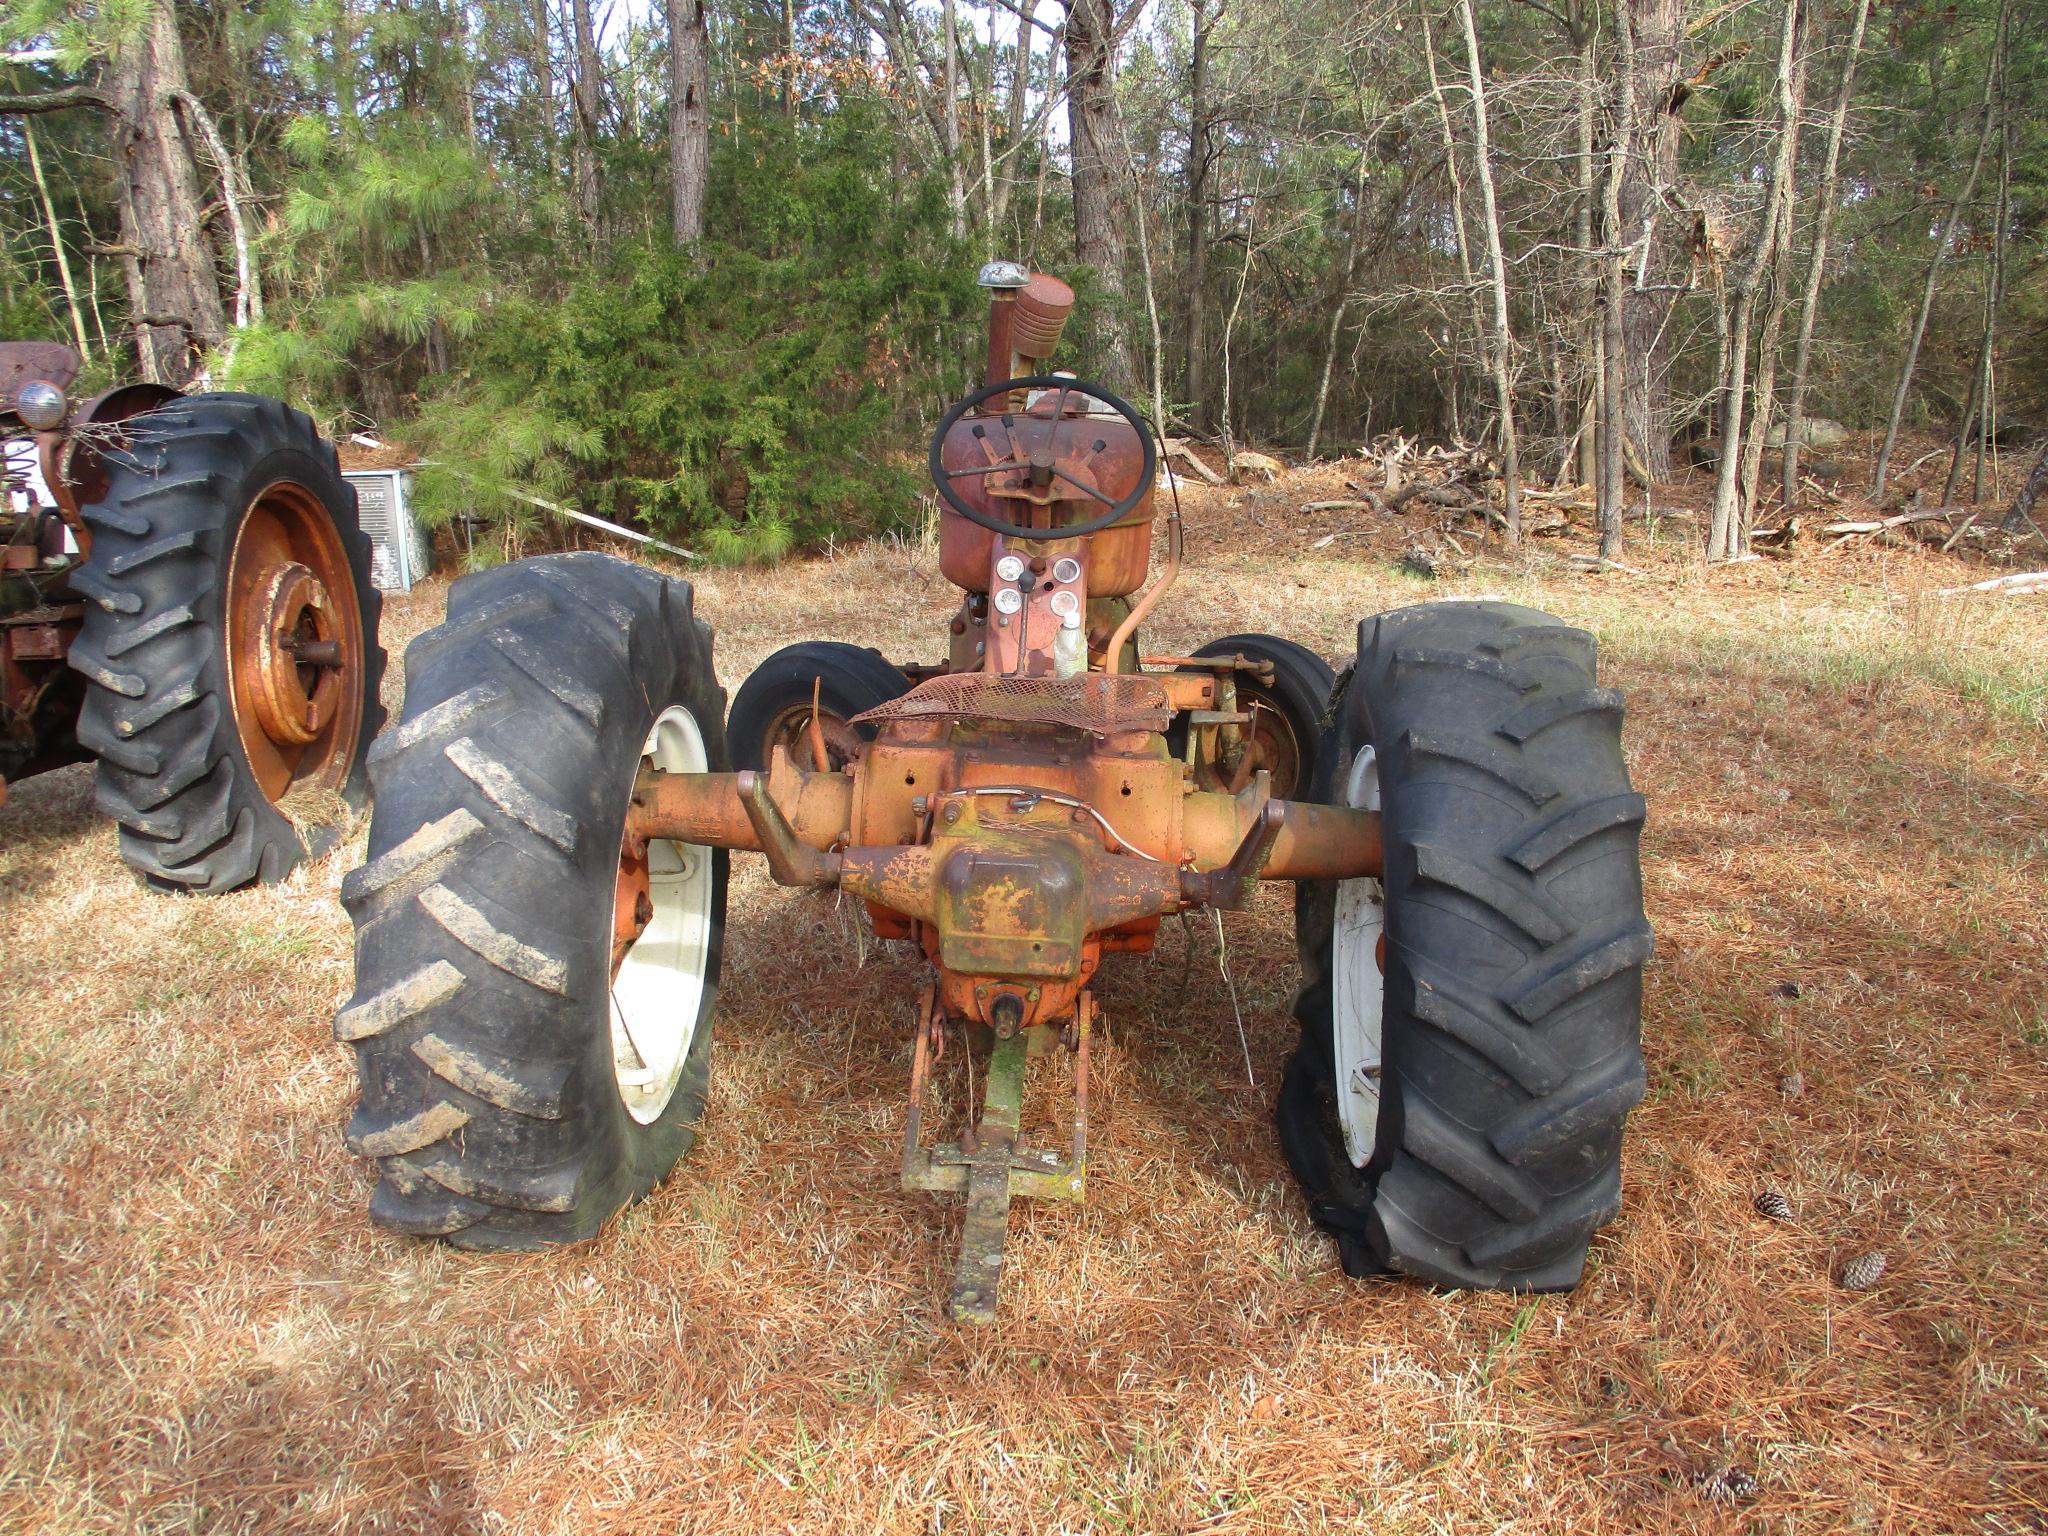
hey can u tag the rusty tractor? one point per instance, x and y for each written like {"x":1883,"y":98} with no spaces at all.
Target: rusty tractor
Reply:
{"x":540,"y":917}
{"x":185,"y":596}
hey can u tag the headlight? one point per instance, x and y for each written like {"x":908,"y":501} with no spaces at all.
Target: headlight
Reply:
{"x":40,"y":404}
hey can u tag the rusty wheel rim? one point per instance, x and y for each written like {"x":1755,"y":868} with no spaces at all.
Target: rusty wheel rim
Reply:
{"x":294,"y":642}
{"x":1269,"y":743}
{"x":792,"y":729}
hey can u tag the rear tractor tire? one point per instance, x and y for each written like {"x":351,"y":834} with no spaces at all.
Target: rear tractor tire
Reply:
{"x":774,"y":705}
{"x":1471,"y":1027}
{"x":229,"y":642}
{"x":534,"y":990}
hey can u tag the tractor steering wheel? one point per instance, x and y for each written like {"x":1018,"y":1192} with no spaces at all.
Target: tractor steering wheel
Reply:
{"x":1032,"y":455}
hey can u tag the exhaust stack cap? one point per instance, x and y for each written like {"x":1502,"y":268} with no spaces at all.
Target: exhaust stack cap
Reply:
{"x":1003,"y":274}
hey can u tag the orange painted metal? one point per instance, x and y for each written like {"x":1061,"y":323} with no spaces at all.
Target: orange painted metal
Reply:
{"x":1099,"y":451}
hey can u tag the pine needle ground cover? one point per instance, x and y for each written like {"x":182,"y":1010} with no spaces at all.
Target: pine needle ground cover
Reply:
{"x":1846,"y":860}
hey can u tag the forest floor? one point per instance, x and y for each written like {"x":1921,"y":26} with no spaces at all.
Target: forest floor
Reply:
{"x":1846,"y":862}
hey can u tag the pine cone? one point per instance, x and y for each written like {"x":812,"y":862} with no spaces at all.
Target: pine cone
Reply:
{"x":1863,"y":1271}
{"x":1728,"y":1485}
{"x":1772,"y":1203}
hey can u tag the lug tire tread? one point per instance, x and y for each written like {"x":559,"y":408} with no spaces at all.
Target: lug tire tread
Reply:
{"x":1515,"y":947}
{"x":172,"y":772}
{"x":482,"y":965}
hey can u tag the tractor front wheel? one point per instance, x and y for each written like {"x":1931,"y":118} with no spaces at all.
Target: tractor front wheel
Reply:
{"x":1471,"y":1024}
{"x":1285,"y":735}
{"x":534,"y":983}
{"x":830,"y":678}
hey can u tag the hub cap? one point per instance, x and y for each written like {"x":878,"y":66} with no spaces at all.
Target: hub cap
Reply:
{"x":661,"y":940}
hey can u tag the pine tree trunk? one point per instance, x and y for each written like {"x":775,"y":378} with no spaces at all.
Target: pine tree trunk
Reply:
{"x":689,"y":115}
{"x":1936,"y":261}
{"x":1658,"y":29}
{"x":173,"y":283}
{"x":1823,"y":225}
{"x":1092,"y":139}
{"x":588,"y":108}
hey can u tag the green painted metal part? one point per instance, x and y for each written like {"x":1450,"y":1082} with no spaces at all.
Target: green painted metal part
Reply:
{"x":993,"y":1168}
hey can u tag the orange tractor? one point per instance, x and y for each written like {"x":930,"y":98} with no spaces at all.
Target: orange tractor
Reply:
{"x":539,"y":920}
{"x":185,"y":596}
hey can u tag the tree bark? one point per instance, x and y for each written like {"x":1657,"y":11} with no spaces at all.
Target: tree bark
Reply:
{"x":1458,"y":227}
{"x":1582,"y":228}
{"x":1611,"y":426}
{"x":1657,"y":90}
{"x":1093,"y":134}
{"x":1195,"y":382}
{"x":248,"y":282}
{"x":541,"y":61}
{"x":1977,"y":418}
{"x":1823,"y":226}
{"x":1503,"y":337}
{"x":174,"y":288}
{"x":2023,"y":504}
{"x":585,"y":95}
{"x":1945,"y":240}
{"x":689,"y":116}
{"x":1727,"y":535}
{"x":956,"y":182}
{"x":1791,"y":103}
{"x":1340,"y":298}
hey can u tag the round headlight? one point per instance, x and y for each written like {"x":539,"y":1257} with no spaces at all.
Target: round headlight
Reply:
{"x":40,"y":403}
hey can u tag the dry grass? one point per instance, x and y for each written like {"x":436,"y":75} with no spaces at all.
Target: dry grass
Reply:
{"x":200,"y":1332}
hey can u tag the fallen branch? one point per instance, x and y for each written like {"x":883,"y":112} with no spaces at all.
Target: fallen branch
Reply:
{"x":1433,"y":495}
{"x":597,"y":522}
{"x":1879,"y":525}
{"x":1589,"y":563}
{"x":1964,"y":527}
{"x":1371,"y":504}
{"x":2005,"y":586}
{"x":1932,"y":453}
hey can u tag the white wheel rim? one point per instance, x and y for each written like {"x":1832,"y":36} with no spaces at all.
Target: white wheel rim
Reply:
{"x":658,"y":993}
{"x":1358,"y":989}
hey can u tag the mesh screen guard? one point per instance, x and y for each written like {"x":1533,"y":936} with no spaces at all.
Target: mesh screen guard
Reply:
{"x":1101,"y":702}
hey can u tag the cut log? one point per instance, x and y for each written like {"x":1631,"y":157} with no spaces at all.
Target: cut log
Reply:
{"x":1177,"y":448}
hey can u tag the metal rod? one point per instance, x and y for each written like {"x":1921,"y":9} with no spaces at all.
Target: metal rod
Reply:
{"x":1144,"y":605}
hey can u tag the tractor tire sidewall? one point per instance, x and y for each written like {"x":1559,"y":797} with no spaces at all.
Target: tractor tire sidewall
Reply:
{"x":172,"y":768}
{"x":526,"y":714}
{"x":850,"y":680}
{"x":1510,"y":1059}
{"x":1300,"y":694}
